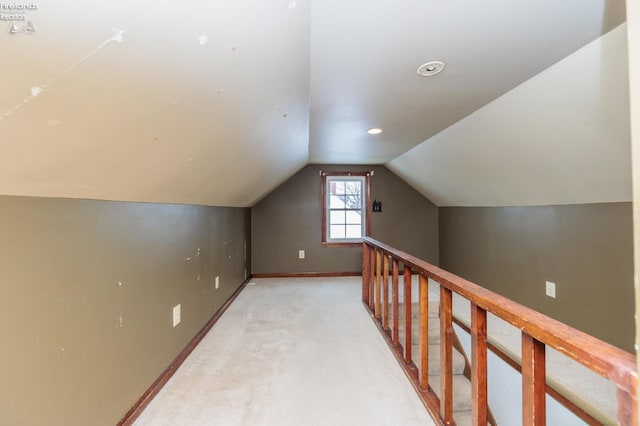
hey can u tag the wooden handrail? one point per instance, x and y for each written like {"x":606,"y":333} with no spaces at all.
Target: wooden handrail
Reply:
{"x":538,"y":330}
{"x":553,"y":389}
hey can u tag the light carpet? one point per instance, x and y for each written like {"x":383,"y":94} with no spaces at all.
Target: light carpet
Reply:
{"x":290,"y":352}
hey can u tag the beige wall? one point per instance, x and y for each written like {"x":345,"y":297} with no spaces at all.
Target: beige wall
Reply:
{"x":587,"y":250}
{"x":289,"y":219}
{"x":77,"y":347}
{"x":633,"y":28}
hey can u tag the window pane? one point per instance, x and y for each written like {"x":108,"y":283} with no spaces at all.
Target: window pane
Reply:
{"x":336,"y":231}
{"x":344,"y":206}
{"x":354,"y":231}
{"x":353,"y":217}
{"x":353,"y":201}
{"x":353,"y":187}
{"x":336,"y":202}
{"x":337,"y":217}
{"x":337,"y":187}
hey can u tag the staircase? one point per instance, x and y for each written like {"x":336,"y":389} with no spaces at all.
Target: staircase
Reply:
{"x":450,"y":405}
{"x":461,"y":384}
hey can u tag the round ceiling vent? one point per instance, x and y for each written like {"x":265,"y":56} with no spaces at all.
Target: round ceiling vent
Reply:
{"x":430,"y":68}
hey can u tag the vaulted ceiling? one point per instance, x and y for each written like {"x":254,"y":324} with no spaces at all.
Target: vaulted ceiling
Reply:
{"x":218,"y":102}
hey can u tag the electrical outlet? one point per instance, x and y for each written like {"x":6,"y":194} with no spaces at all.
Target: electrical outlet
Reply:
{"x":176,"y":315}
{"x":217,"y":282}
{"x":550,"y":289}
{"x":300,"y":254}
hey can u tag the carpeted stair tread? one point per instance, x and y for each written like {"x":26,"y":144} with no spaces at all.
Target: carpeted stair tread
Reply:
{"x":434,"y":331}
{"x":434,"y":309}
{"x":461,"y":392}
{"x":461,"y":385}
{"x":463,"y":418}
{"x":434,"y":359}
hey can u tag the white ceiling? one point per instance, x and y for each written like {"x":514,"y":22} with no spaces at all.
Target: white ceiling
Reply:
{"x":364,"y":57}
{"x":562,"y":137}
{"x":201,"y":102}
{"x":218,"y":102}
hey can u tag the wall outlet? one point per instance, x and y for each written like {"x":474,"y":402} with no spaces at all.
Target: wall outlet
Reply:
{"x":176,"y":315}
{"x":550,"y":289}
{"x":217,"y":282}
{"x":300,"y":254}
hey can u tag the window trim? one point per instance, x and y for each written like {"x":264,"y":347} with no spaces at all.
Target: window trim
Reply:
{"x":367,"y":208}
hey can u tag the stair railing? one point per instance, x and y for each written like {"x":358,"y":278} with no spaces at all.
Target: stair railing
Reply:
{"x":538,"y":331}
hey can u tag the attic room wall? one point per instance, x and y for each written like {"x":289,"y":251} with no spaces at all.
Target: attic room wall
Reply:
{"x":88,"y":289}
{"x":289,"y":219}
{"x":586,"y":249}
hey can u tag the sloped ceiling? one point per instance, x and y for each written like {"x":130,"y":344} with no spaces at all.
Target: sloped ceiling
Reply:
{"x":164,"y":101}
{"x":560,"y":138}
{"x":218,"y":102}
{"x":364,"y":57}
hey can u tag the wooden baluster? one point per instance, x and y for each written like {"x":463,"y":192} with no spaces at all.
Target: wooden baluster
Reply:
{"x":378,"y":278}
{"x":407,"y":314}
{"x":372,"y":262}
{"x":446,"y":355}
{"x":385,"y":293}
{"x":394,"y":297}
{"x":424,"y":333}
{"x":533,"y":382}
{"x":612,"y":363}
{"x":478,"y":365}
{"x":627,"y":408}
{"x":366,"y":271}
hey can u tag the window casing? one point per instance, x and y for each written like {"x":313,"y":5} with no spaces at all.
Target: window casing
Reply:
{"x":345,"y":208}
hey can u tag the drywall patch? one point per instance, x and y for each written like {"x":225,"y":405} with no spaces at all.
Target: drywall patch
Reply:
{"x":53,"y":123}
{"x":203,"y":39}
{"x":119,"y":35}
{"x":120,"y":318}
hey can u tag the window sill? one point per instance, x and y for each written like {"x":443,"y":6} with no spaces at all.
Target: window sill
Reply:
{"x":339,"y":244}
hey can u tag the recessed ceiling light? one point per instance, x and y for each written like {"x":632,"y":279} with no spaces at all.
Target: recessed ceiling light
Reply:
{"x":374,"y":131}
{"x":430,"y":68}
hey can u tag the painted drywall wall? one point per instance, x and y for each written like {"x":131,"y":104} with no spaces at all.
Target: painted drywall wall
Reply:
{"x":87,"y":291}
{"x":289,"y":219}
{"x":587,"y":250}
{"x":633,"y":22}
{"x":561,"y":137}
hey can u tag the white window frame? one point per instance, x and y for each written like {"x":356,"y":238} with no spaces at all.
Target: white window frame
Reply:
{"x":329,"y":177}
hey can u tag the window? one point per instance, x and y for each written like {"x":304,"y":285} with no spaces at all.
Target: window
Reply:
{"x":345,"y":213}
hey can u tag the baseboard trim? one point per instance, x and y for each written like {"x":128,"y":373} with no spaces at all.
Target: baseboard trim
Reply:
{"x":158,"y":384}
{"x":307,"y":274}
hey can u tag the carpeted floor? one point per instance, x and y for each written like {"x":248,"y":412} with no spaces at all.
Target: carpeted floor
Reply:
{"x":290,"y":352}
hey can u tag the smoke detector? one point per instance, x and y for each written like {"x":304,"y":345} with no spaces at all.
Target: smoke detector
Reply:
{"x":430,"y":69}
